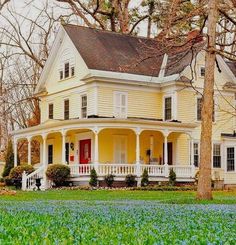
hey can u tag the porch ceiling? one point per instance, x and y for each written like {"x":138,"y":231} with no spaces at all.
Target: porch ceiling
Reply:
{"x":51,"y":126}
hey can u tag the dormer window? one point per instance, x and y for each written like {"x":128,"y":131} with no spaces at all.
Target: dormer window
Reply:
{"x":67,"y":65}
{"x":67,"y":70}
{"x":202,"y":71}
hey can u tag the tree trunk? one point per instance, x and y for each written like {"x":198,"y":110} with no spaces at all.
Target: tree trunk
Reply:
{"x":204,"y":183}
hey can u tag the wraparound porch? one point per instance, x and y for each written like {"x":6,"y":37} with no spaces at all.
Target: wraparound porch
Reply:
{"x":113,"y":148}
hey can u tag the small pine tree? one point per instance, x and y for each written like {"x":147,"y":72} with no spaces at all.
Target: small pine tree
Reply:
{"x":93,"y":178}
{"x":9,"y":159}
{"x":172,"y":177}
{"x":145,"y":180}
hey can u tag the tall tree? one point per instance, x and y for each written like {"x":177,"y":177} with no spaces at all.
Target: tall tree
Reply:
{"x":204,"y":183}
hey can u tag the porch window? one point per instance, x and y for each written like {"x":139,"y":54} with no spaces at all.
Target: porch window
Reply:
{"x":50,"y":111}
{"x":50,"y":154}
{"x":120,"y":149}
{"x":66,"y":109}
{"x":67,"y":147}
{"x":196,"y":154}
{"x":120,"y":104}
{"x":168,"y":109}
{"x":230,"y":159}
{"x":216,"y":156}
{"x":84,"y":106}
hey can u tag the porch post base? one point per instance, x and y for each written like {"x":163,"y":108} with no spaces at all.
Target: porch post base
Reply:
{"x":138,"y":181}
{"x":166,"y":169}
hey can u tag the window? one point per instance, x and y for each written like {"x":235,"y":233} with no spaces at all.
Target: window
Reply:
{"x":230,"y":159}
{"x":50,"y":111}
{"x":61,"y":75}
{"x":196,"y":154}
{"x":67,"y":69}
{"x":168,"y":109}
{"x":120,"y":104}
{"x":120,"y":149}
{"x":67,"y":146}
{"x":72,"y":71}
{"x":216,"y":156}
{"x":199,"y":109}
{"x":66,"y":109}
{"x":84,"y":106}
{"x":50,"y":154}
{"x":202,"y":71}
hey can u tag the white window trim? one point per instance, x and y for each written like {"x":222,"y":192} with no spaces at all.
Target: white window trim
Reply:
{"x":114,"y":103}
{"x":221,"y":152}
{"x":197,"y":142}
{"x":50,"y":103}
{"x":173,"y":107}
{"x":229,"y":146}
{"x":84,"y":94}
{"x":196,"y":119}
{"x":64,"y":99}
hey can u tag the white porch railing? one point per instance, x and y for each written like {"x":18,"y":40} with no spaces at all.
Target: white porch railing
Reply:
{"x":182,"y":171}
{"x":116,"y":169}
{"x":120,"y":170}
{"x":29,"y":181}
{"x":154,"y":170}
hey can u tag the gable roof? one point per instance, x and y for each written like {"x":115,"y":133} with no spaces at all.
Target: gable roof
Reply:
{"x":232,"y":66}
{"x":110,"y":51}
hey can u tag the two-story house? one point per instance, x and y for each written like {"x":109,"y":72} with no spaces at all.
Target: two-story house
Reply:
{"x":119,"y":104}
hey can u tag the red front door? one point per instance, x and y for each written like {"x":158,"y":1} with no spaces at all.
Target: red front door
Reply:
{"x":85,"y":151}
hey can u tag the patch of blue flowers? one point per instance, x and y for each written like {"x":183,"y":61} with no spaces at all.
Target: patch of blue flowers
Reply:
{"x":115,"y":222}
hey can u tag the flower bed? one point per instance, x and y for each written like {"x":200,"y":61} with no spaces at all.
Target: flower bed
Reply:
{"x":115,"y":222}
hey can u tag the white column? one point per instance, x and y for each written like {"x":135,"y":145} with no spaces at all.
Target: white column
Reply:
{"x":63,"y":148}
{"x":44,"y":136}
{"x":166,"y":150}
{"x":15,"y":152}
{"x":166,"y":133}
{"x":29,"y":150}
{"x":96,"y":148}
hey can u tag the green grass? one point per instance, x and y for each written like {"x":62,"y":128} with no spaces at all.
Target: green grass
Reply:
{"x":177,"y":197}
{"x":116,"y":217}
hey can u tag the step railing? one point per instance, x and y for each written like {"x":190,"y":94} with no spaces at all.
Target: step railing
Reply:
{"x":29,"y":181}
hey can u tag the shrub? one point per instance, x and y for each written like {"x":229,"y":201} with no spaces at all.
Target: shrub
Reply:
{"x":109,"y":179}
{"x":8,"y":181}
{"x":172,"y":177}
{"x":130,"y":180}
{"x":16,"y":172}
{"x":58,"y":173}
{"x":145,"y":180}
{"x":93,"y":178}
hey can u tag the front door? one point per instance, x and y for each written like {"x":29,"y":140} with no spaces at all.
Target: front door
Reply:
{"x":85,"y":151}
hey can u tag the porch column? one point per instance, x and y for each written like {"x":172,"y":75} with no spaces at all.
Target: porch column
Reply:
{"x":29,"y":150}
{"x":63,"y":149}
{"x":138,"y":167}
{"x":166,"y":133}
{"x":15,"y":151}
{"x":44,"y":136}
{"x":96,"y":148}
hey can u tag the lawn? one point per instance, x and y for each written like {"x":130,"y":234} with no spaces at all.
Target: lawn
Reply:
{"x":117,"y":217}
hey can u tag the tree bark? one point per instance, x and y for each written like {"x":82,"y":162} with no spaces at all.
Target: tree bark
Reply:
{"x":204,"y":183}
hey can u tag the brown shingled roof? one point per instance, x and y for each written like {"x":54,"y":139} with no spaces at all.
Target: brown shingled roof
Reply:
{"x":109,"y":51}
{"x":232,"y":66}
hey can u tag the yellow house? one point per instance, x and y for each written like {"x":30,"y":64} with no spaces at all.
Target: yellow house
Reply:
{"x":115,"y":103}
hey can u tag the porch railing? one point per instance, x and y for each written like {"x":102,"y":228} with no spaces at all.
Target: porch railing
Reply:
{"x":120,"y":170}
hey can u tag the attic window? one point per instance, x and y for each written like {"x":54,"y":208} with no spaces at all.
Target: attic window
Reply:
{"x":67,"y":70}
{"x":202,"y":71}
